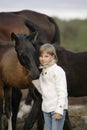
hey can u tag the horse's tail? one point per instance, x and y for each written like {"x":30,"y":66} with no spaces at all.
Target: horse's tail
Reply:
{"x":56,"y":38}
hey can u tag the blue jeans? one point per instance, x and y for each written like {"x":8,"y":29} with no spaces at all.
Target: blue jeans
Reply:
{"x":51,"y":123}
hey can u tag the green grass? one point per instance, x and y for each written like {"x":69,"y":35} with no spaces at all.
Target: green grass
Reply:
{"x":73,"y":34}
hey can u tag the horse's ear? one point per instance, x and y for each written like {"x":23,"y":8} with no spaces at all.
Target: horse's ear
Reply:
{"x":33,"y":36}
{"x":14,"y":37}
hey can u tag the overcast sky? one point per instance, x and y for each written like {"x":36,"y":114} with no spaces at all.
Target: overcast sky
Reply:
{"x":64,"y":9}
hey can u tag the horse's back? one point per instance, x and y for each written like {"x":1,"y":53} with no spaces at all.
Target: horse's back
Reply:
{"x":44,"y":21}
{"x":10,"y":22}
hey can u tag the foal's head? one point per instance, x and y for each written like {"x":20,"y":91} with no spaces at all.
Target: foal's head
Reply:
{"x":27,"y":53}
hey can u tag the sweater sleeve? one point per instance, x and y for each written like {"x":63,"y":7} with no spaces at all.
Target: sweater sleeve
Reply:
{"x":61,"y":88}
{"x":37,"y":85}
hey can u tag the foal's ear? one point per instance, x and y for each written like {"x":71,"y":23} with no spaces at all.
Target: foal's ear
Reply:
{"x":33,"y":36}
{"x":14,"y":37}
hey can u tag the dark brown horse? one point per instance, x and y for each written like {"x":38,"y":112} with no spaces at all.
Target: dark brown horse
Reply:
{"x":13,"y":74}
{"x":75,"y":66}
{"x":15,"y":22}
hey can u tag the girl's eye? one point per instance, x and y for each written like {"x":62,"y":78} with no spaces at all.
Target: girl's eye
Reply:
{"x":46,"y":56}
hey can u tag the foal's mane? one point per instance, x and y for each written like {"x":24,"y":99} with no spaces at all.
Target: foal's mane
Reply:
{"x":21,"y":36}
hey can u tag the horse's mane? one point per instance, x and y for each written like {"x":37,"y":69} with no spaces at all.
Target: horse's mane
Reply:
{"x":21,"y":35}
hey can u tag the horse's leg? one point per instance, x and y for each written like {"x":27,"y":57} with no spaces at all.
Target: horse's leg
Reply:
{"x":16,"y":98}
{"x":37,"y":102}
{"x":7,"y":95}
{"x":67,"y":123}
{"x":1,"y":107}
{"x":40,"y":121}
{"x":34,"y":114}
{"x":26,"y":106}
{"x":30,"y":120}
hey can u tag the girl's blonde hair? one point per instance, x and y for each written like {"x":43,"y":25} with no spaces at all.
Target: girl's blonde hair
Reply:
{"x":49,"y":48}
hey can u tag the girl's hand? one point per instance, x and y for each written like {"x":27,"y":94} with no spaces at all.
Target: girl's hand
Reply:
{"x":58,"y":116}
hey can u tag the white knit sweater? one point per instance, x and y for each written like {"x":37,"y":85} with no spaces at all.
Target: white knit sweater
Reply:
{"x":53,"y":87}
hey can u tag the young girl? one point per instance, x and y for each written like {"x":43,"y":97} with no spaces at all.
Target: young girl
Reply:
{"x":53,"y":88}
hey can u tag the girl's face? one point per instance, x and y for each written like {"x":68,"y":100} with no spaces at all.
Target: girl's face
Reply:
{"x":45,"y":58}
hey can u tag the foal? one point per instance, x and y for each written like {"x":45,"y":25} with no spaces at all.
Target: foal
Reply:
{"x":13,"y":74}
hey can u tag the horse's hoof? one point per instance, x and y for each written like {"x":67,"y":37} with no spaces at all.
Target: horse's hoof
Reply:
{"x":4,"y":122}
